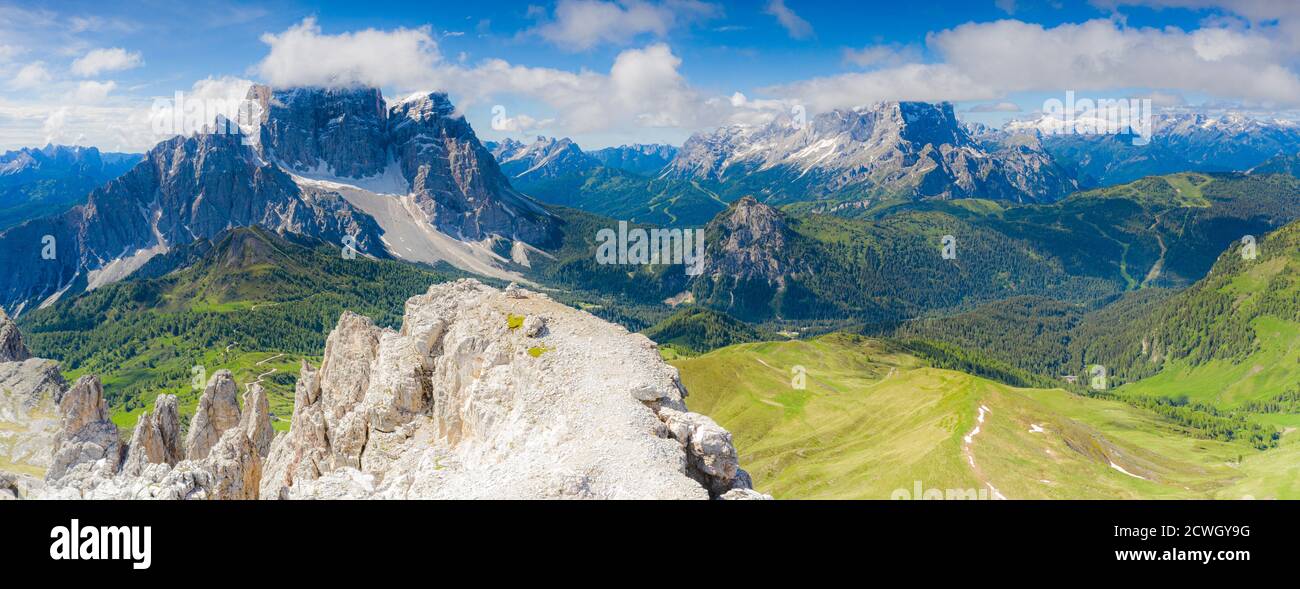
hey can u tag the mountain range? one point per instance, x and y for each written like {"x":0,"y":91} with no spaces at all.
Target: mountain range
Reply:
{"x":891,"y":248}
{"x":317,"y":165}
{"x":44,"y":181}
{"x":848,"y":161}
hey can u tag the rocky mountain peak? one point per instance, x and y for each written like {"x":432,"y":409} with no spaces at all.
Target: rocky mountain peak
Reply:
{"x":545,"y":157}
{"x":425,"y":105}
{"x":341,"y":131}
{"x":749,"y":240}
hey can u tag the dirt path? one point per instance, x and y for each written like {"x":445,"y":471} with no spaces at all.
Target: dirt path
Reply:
{"x":248,"y":386}
{"x":967,"y":441}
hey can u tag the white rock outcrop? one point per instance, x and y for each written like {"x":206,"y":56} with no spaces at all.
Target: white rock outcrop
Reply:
{"x":467,"y":401}
{"x":482,"y":393}
{"x":30,"y":392}
{"x":218,"y":411}
{"x":157,"y":437}
{"x":255,"y":421}
{"x":88,"y":445}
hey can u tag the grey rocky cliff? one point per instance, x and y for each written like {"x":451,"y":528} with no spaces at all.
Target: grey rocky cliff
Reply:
{"x":11,"y":342}
{"x":157,"y":437}
{"x":348,"y":134}
{"x":217,"y":412}
{"x":30,"y":392}
{"x":187,"y":188}
{"x":458,"y":404}
{"x":255,"y":421}
{"x":749,"y":240}
{"x":88,"y":459}
{"x":87,"y":444}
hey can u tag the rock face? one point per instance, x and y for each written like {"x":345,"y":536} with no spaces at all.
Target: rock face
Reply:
{"x":157,"y":437}
{"x":88,"y":442}
{"x":11,"y":342}
{"x":749,"y":241}
{"x":545,"y":158}
{"x":349,"y":134}
{"x":460,"y":404}
{"x":256,"y":419}
{"x":186,"y":188}
{"x":218,"y":411}
{"x":643,"y":159}
{"x":30,"y":392}
{"x":196,"y":187}
{"x":88,"y":460}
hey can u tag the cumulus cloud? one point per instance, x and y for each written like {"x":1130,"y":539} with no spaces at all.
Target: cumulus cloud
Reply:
{"x":583,"y":24}
{"x":91,"y":92}
{"x":643,"y":88}
{"x":987,"y":61}
{"x":31,"y":76}
{"x":517,"y":124}
{"x":98,"y":61}
{"x":795,"y":25}
{"x":303,"y":56}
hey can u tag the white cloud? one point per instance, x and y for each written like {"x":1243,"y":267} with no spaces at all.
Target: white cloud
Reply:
{"x":882,"y":55}
{"x":91,"y":92}
{"x":796,"y":26}
{"x":98,"y":61}
{"x":583,"y":24}
{"x":995,"y":107}
{"x":987,"y":61}
{"x":521,"y":123}
{"x":642,"y":89}
{"x":8,"y":52}
{"x":30,"y":77}
{"x":303,"y":56}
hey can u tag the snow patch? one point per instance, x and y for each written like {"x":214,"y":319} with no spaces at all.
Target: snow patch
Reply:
{"x":1121,"y":469}
{"x":391,"y":181}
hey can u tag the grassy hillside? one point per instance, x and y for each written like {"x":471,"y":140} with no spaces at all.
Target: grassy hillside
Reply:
{"x":874,"y":419}
{"x":693,"y":330}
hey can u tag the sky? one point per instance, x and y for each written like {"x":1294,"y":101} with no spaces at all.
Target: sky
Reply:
{"x":610,"y":72}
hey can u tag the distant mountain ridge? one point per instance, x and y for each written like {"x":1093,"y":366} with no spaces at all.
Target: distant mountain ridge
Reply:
{"x":40,"y":181}
{"x":911,"y":150}
{"x":1179,"y":142}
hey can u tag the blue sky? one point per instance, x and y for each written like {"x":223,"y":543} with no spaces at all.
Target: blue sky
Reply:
{"x":616,"y":71}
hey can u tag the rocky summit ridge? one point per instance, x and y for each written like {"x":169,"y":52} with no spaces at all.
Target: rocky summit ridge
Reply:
{"x":482,"y":393}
